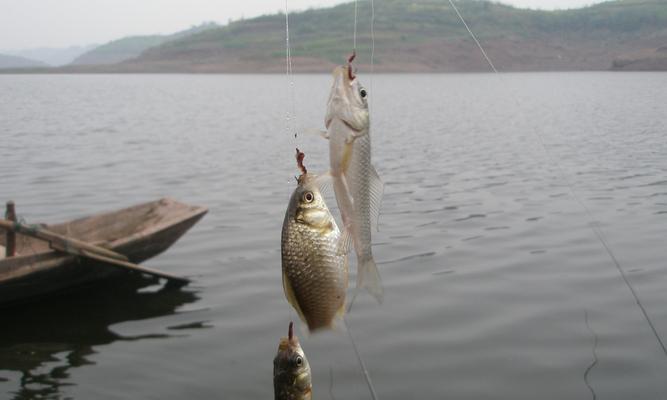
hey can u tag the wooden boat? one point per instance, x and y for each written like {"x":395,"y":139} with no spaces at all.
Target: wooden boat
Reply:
{"x":139,"y":233}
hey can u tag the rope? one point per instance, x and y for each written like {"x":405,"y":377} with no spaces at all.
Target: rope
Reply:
{"x":593,"y":225}
{"x":26,"y":241}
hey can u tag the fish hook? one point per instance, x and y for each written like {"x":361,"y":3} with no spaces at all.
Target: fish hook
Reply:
{"x":290,"y":330}
{"x":350,"y":73}
{"x":299,"y":161}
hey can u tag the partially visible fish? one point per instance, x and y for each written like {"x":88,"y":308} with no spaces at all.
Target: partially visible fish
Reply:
{"x":291,"y":372}
{"x":315,"y":270}
{"x":357,"y":186}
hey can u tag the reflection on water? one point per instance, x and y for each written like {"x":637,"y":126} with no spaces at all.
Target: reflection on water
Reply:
{"x":43,"y":341}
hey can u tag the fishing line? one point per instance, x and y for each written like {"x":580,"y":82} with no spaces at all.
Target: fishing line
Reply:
{"x":473,"y":36}
{"x":364,"y":370}
{"x":372,"y":53}
{"x":592,"y":221}
{"x":354,"y":36}
{"x":291,"y":125}
{"x":331,"y":383}
{"x":595,"y":356}
{"x":602,"y":239}
{"x":290,"y":96}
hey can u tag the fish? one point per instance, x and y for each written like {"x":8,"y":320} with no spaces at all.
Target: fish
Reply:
{"x":314,"y":264}
{"x":291,"y":371}
{"x":357,"y":185}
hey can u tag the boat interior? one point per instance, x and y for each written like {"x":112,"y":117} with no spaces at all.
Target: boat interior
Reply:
{"x":106,"y":228}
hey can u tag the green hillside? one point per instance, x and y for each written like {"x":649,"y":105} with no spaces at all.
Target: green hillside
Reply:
{"x":424,"y":35}
{"x":410,"y":36}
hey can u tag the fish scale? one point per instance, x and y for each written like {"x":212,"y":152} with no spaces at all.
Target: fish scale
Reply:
{"x":357,"y":186}
{"x":358,"y":176}
{"x":315,"y":273}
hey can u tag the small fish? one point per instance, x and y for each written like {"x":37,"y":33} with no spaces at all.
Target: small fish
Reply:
{"x":315,"y":270}
{"x":357,"y":186}
{"x":291,"y":372}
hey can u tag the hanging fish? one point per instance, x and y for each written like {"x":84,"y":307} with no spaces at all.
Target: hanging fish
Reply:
{"x":357,"y":186}
{"x":291,"y":372}
{"x":314,"y":264}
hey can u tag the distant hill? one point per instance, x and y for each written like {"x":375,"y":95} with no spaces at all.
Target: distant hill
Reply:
{"x":423,"y":36}
{"x":126,"y":48}
{"x":410,"y":36}
{"x":18,"y":62}
{"x":52,"y":56}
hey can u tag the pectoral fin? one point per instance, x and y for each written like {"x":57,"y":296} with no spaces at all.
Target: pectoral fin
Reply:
{"x":344,"y":243}
{"x":315,"y":132}
{"x":324,"y":183}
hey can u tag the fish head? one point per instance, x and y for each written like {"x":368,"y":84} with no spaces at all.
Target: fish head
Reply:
{"x":309,"y":206}
{"x":291,"y":371}
{"x":348,"y":100}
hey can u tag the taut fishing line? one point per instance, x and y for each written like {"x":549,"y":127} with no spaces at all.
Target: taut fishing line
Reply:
{"x":362,"y":365}
{"x":473,"y":36}
{"x":372,"y":53}
{"x":290,"y":90}
{"x":354,"y":35}
{"x":592,"y":222}
{"x":291,"y":124}
{"x":364,"y":370}
{"x":456,"y":10}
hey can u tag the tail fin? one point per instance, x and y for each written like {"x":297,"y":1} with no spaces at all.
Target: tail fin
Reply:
{"x":368,"y":277}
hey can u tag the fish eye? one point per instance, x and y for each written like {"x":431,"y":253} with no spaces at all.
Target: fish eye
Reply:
{"x":363,"y":93}
{"x":308,"y":197}
{"x":299,"y":361}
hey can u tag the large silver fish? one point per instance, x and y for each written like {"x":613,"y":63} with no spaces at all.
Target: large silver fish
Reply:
{"x":315,"y":269}
{"x":291,"y":372}
{"x":357,"y":186}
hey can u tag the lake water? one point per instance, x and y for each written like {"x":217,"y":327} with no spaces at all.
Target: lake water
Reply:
{"x":496,"y":285}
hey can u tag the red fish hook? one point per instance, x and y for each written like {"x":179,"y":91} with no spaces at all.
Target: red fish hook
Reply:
{"x":299,"y":161}
{"x":350,"y":73}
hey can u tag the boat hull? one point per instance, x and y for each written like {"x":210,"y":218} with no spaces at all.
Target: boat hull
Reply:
{"x":32,"y":276}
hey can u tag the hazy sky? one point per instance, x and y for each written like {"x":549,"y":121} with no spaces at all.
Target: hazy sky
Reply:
{"x":62,"y":23}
